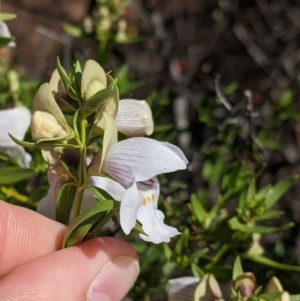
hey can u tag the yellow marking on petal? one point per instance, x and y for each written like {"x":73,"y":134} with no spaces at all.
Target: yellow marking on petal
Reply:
{"x":148,"y":199}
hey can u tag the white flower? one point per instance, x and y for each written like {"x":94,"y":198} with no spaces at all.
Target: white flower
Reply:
{"x":15,"y":122}
{"x":194,"y":289}
{"x":135,"y":163}
{"x":134,"y":118}
{"x":182,"y":289}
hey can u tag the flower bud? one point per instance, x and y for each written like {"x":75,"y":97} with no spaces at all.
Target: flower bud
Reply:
{"x":93,"y":79}
{"x":274,"y":286}
{"x":134,"y":118}
{"x":208,"y":289}
{"x":245,"y":284}
{"x":44,"y":126}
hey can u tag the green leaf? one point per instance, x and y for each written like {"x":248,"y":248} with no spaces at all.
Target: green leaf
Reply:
{"x":247,"y":194}
{"x":261,"y":194}
{"x":270,"y":296}
{"x":294,"y":297}
{"x":197,"y":272}
{"x":97,"y":101}
{"x":278,"y":190}
{"x":271,"y":263}
{"x":14,"y":174}
{"x":237,"y":268}
{"x":23,"y":143}
{"x":181,"y":242}
{"x":72,"y":30}
{"x":7,"y":16}
{"x":65,"y":80}
{"x":198,"y":254}
{"x":64,"y":202}
{"x":286,"y":98}
{"x":126,"y":85}
{"x":235,"y":224}
{"x":80,"y":227}
{"x":4,"y":41}
{"x":101,"y":194}
{"x":230,"y":179}
{"x":197,"y":209}
{"x":64,"y":105}
{"x":268,"y":215}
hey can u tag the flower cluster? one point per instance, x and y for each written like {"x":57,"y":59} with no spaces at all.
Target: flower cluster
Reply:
{"x":77,"y":122}
{"x":242,"y":288}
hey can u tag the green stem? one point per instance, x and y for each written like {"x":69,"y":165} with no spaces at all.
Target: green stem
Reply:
{"x":218,"y":256}
{"x":82,"y":177}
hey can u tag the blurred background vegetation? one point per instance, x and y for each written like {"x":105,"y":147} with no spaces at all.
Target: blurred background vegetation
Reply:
{"x":222,"y":79}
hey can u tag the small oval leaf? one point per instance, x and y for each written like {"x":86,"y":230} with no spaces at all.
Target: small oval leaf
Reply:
{"x":79,"y":228}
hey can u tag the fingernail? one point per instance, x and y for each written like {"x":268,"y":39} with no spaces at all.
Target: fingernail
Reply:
{"x":114,"y":280}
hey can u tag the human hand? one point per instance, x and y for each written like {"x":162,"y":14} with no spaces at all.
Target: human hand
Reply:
{"x":32,"y":266}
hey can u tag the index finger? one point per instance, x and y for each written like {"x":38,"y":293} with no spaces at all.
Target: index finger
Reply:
{"x":25,"y":235}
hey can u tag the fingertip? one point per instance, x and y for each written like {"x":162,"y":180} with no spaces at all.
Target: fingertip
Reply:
{"x":105,"y":267}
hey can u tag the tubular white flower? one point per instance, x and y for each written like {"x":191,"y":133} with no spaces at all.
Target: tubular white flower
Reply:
{"x":134,"y":118}
{"x":134,"y":163}
{"x":14,"y":121}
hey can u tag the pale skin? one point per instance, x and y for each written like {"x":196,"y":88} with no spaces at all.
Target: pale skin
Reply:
{"x":33,"y":267}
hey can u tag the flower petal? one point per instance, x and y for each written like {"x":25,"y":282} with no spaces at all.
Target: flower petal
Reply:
{"x":18,"y":154}
{"x":150,"y":217}
{"x":112,"y":187}
{"x":181,"y":289}
{"x":14,"y":121}
{"x":141,"y":159}
{"x":46,"y":206}
{"x":130,"y":205}
{"x":134,"y":118}
{"x":153,"y":224}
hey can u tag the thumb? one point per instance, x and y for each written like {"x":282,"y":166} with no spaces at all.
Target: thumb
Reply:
{"x":99,"y":269}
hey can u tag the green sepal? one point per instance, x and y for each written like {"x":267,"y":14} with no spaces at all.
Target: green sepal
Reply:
{"x":14,"y":174}
{"x":79,"y":228}
{"x":64,"y":202}
{"x":97,"y":101}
